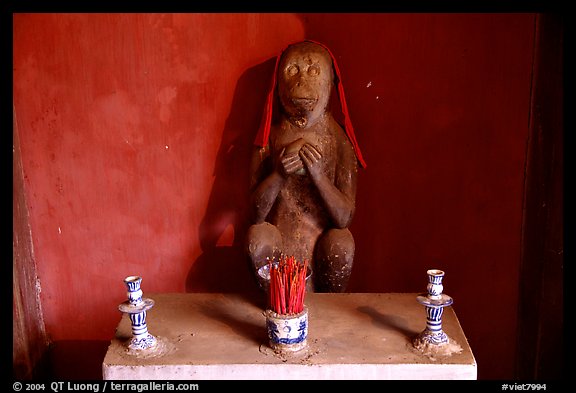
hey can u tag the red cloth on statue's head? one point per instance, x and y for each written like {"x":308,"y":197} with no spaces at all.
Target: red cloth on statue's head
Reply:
{"x":264,"y":131}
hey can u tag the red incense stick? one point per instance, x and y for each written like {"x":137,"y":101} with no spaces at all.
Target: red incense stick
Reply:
{"x":287,"y":288}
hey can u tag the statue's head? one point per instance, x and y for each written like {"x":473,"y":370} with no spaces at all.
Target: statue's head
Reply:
{"x":305,"y":78}
{"x":305,"y":73}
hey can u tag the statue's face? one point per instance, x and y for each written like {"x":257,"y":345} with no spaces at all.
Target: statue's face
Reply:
{"x":305,"y":82}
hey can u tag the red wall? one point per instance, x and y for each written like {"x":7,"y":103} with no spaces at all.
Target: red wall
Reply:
{"x":135,"y":135}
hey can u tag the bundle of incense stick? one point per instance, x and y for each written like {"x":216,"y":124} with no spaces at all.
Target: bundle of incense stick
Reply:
{"x":287,"y":286}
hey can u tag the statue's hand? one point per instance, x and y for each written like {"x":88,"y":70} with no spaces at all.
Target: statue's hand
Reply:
{"x":312,"y":160}
{"x":289,"y":162}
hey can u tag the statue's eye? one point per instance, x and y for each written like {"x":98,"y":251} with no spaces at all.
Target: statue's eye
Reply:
{"x":314,"y":70}
{"x":292,"y":70}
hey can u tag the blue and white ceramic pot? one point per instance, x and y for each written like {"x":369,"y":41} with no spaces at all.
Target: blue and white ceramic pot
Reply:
{"x":287,"y":333}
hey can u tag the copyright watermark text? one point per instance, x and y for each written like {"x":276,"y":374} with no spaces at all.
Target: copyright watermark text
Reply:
{"x":523,"y":386}
{"x":101,"y":387}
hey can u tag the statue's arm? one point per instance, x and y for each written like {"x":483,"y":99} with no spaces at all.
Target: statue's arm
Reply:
{"x":268,"y":178}
{"x":265,"y":184}
{"x":264,"y":196}
{"x":339,"y":195}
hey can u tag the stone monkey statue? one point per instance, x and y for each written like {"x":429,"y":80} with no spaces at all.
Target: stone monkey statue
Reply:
{"x":303,"y":190}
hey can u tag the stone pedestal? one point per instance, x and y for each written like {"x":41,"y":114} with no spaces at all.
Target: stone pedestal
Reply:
{"x":350,"y":336}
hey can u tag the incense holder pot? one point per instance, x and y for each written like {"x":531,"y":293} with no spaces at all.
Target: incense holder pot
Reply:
{"x":287,"y":333}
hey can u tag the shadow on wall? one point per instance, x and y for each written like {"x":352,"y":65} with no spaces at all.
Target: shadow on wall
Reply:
{"x":223,"y":265}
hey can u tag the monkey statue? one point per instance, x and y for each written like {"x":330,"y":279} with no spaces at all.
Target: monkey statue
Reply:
{"x":304,"y":171}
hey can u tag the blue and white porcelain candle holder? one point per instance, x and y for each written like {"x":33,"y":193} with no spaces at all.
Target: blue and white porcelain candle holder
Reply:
{"x":434,"y":302}
{"x":136,"y":307}
{"x":287,"y":333}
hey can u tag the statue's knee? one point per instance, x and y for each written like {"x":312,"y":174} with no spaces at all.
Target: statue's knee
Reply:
{"x":337,"y":244}
{"x":334,"y":260}
{"x":263,"y":240}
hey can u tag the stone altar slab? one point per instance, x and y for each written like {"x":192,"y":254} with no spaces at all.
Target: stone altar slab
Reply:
{"x":223,"y":336}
